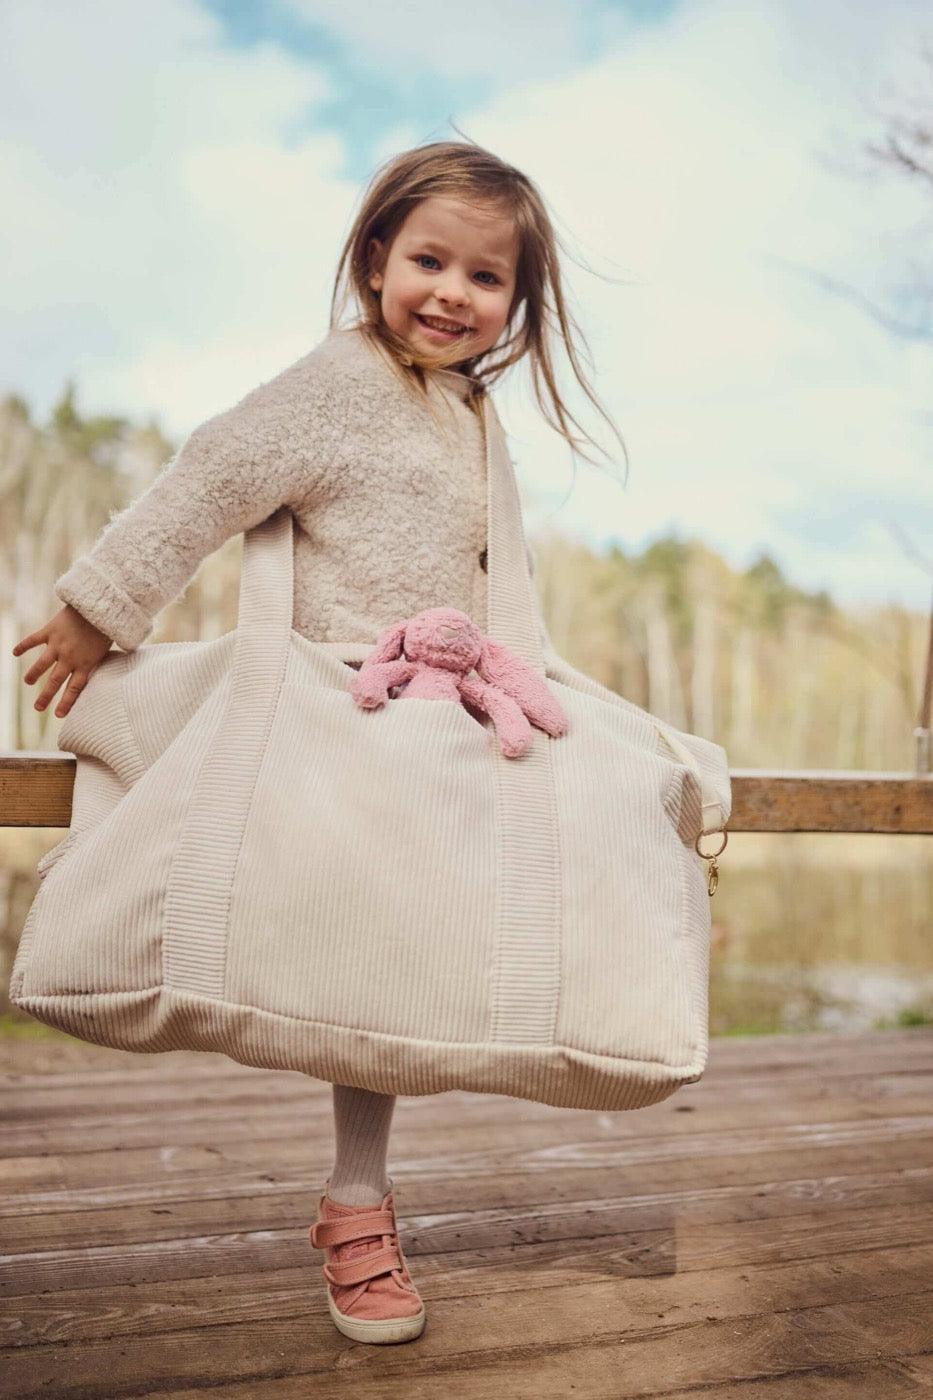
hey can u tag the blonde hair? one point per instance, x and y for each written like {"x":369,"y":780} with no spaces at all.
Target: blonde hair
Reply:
{"x":466,"y":171}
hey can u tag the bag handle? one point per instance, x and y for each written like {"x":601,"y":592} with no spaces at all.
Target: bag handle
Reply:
{"x":511,"y":612}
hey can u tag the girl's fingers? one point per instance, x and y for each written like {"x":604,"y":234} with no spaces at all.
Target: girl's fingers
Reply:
{"x":27,"y":643}
{"x":59,"y":674}
{"x":71,"y":693}
{"x":42,"y":664}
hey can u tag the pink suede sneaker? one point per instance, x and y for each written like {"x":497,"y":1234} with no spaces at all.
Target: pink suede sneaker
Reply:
{"x":370,"y":1292}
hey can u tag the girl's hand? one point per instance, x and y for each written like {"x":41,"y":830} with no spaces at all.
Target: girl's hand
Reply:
{"x":73,"y":646}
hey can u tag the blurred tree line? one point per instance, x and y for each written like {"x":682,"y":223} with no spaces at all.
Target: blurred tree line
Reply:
{"x":782,"y":677}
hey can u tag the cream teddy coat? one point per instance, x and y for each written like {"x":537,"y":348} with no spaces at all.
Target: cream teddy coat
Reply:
{"x":390,"y":506}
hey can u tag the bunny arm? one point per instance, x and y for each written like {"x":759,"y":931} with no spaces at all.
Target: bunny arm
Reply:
{"x":507,"y":672}
{"x":371,"y":684}
{"x":512,"y":728}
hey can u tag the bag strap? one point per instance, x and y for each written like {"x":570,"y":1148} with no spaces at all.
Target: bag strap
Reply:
{"x":511,"y":616}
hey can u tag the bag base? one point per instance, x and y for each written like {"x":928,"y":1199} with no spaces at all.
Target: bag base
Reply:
{"x":159,"y":1019}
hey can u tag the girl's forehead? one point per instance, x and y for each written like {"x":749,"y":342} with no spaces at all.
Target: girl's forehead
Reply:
{"x":464,"y":227}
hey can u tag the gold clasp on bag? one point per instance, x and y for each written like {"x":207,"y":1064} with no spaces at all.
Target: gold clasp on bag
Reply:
{"x":713,"y":879}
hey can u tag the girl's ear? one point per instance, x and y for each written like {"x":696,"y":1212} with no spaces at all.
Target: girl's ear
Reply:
{"x":376,"y":259}
{"x":388,"y":646}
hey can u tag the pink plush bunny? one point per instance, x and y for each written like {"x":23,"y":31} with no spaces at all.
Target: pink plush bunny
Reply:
{"x":441,"y":645}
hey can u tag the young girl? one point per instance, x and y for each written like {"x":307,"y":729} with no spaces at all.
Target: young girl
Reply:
{"x":374,"y":442}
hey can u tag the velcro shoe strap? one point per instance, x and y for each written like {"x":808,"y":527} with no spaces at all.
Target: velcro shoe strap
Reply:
{"x":325,"y":1233}
{"x":369,"y":1266}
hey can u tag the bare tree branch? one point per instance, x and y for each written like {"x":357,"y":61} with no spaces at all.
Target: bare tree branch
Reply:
{"x":909,"y":548}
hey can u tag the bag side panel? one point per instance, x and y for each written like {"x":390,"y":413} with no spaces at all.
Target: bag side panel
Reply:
{"x":98,"y":735}
{"x":695,"y":930}
{"x":624,"y":985}
{"x":97,"y":727}
{"x":95,"y":926}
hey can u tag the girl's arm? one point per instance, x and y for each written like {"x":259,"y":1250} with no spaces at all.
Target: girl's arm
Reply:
{"x":273,"y":448}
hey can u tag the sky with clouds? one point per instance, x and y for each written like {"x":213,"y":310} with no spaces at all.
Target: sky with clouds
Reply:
{"x":178,"y":179}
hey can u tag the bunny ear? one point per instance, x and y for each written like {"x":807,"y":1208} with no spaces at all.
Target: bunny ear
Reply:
{"x":389,"y":644}
{"x":503,"y":669}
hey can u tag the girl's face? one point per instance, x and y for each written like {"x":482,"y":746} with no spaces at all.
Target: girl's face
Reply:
{"x":450,"y":263}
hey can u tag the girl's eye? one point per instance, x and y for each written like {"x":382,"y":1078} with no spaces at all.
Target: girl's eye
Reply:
{"x":419,"y":256}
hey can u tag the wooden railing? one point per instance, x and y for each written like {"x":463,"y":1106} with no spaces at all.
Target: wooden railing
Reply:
{"x":36,"y":788}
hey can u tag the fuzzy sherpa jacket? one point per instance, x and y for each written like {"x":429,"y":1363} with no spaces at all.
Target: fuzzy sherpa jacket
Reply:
{"x":391,"y":508}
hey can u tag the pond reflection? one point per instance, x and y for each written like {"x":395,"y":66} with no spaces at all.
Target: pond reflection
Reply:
{"x":822,"y":931}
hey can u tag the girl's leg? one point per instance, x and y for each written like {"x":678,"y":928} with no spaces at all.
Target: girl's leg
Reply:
{"x":361,"y":1128}
{"x":384,"y":1305}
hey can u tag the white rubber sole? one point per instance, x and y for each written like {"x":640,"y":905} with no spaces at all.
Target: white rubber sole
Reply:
{"x":367,"y":1329}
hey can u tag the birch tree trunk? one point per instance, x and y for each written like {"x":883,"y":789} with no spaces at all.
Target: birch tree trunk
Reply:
{"x":703,"y":676}
{"x":742,"y":738}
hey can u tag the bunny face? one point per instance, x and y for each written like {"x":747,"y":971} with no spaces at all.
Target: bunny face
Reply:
{"x":443,"y":637}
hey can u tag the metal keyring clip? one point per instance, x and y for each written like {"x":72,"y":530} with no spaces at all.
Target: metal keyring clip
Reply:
{"x":713,"y":879}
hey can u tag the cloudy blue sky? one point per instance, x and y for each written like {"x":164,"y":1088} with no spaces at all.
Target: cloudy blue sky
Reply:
{"x":178,"y":178}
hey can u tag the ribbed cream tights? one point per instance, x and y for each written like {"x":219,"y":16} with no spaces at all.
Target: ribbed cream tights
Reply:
{"x":361,"y":1129}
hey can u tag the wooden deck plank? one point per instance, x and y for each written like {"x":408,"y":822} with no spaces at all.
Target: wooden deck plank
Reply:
{"x":143,"y":1185}
{"x":710,"y":1260}
{"x":764,"y":1233}
{"x":95,"y":1126}
{"x":537,"y":1171}
{"x":647,"y":1233}
{"x":883,"y":1380}
{"x":301,"y":1160}
{"x":537,"y":1227}
{"x":531,"y":1348}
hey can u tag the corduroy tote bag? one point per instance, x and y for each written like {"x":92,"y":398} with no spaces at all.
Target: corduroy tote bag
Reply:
{"x":256,"y":865}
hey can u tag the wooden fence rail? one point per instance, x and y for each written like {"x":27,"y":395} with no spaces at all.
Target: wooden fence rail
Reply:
{"x":36,"y":788}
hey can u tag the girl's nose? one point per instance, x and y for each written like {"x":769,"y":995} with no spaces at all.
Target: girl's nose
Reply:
{"x":454,"y":293}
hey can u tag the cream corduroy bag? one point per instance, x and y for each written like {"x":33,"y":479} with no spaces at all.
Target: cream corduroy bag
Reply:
{"x":379,"y":898}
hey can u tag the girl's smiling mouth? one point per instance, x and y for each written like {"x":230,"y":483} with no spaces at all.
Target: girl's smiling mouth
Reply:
{"x":441,"y":328}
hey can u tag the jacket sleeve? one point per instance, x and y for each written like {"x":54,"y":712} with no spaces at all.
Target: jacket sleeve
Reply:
{"x":275,"y":447}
